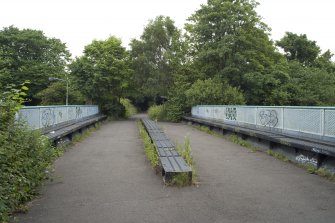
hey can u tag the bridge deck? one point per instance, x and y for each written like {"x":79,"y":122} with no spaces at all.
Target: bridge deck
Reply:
{"x":106,"y":178}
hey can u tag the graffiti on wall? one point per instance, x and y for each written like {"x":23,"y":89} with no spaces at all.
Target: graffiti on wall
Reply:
{"x":231,"y":113}
{"x":268,"y":118}
{"x":79,"y":112}
{"x":48,"y":117}
{"x":306,"y":160}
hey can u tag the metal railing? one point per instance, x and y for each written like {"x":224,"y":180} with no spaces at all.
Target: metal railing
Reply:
{"x":315,"y":122}
{"x":40,"y":117}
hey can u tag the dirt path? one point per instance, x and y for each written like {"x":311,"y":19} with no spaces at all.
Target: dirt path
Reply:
{"x":106,"y":178}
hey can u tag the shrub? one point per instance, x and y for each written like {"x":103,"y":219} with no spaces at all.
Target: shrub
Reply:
{"x":55,"y":94}
{"x":25,"y":156}
{"x":213,"y":91}
{"x":157,"y":112}
{"x":130,"y":108}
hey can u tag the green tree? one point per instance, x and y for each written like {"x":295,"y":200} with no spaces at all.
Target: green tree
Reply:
{"x":229,"y":40}
{"x":300,"y":48}
{"x":310,"y":86}
{"x":213,"y":92}
{"x":324,"y":61}
{"x":155,"y":57}
{"x":103,"y":74}
{"x":55,"y":94}
{"x":29,"y":55}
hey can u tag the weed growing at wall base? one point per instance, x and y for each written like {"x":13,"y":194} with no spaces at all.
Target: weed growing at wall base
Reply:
{"x":322,"y":172}
{"x":279,"y":156}
{"x":85,"y":133}
{"x":233,"y":138}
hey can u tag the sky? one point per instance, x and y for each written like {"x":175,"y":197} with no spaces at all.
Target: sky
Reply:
{"x":78,"y":22}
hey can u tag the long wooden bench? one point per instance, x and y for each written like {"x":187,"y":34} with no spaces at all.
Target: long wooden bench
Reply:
{"x":171,"y":162}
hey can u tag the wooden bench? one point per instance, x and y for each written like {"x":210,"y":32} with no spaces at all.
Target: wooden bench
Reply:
{"x":171,"y":162}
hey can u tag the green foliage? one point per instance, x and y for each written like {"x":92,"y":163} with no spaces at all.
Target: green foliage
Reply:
{"x":322,"y":172}
{"x":279,"y":156}
{"x":233,"y":138}
{"x":177,"y":105}
{"x":324,"y":61}
{"x":157,"y":112}
{"x":112,"y":107}
{"x":130,"y":108}
{"x":212,"y":92}
{"x":149,"y":148}
{"x":228,"y":40}
{"x":11,"y":100}
{"x":25,"y":155}
{"x":29,"y":55}
{"x":185,"y":151}
{"x":155,"y":57}
{"x":298,"y":47}
{"x":84,"y":134}
{"x":310,"y":86}
{"x":55,"y":94}
{"x":205,"y":129}
{"x":103,"y":74}
{"x":180,"y":180}
{"x":238,"y":140}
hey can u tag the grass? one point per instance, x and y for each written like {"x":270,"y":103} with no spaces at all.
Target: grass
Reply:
{"x":149,"y":148}
{"x":130,"y":108}
{"x":157,"y":112}
{"x":238,"y":140}
{"x":86,"y":133}
{"x":185,"y":151}
{"x":279,"y":156}
{"x":322,"y":172}
{"x":233,"y":138}
{"x":181,"y":179}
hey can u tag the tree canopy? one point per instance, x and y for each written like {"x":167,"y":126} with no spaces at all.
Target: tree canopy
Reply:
{"x":103,"y":73}
{"x":224,"y":55}
{"x":29,"y":55}
{"x":298,"y":47}
{"x":156,"y":56}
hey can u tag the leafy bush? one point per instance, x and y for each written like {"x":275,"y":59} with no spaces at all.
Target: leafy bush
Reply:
{"x":157,"y":112}
{"x":24,"y":155}
{"x":212,"y":91}
{"x":130,"y":108}
{"x":55,"y":94}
